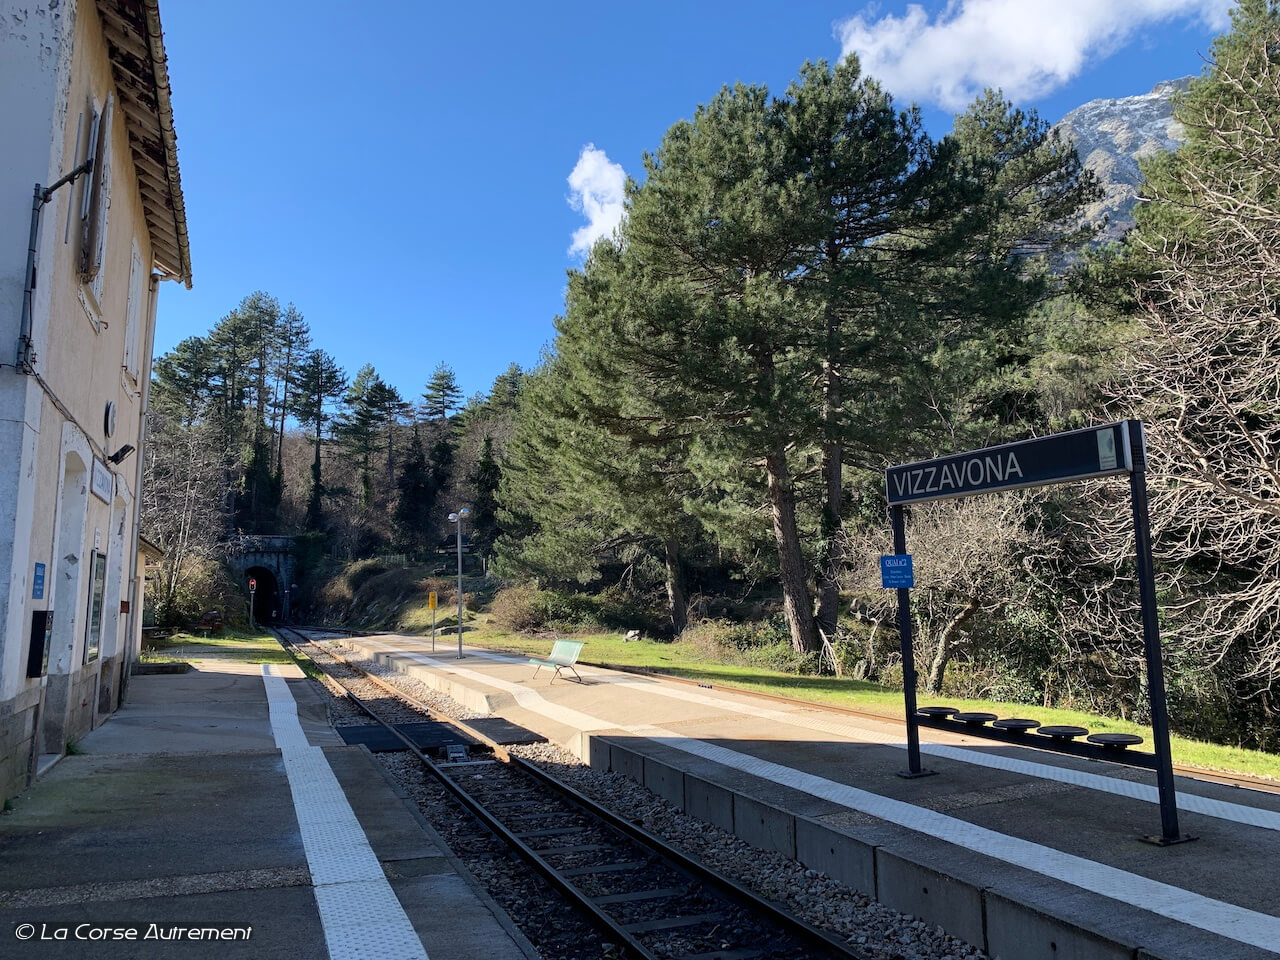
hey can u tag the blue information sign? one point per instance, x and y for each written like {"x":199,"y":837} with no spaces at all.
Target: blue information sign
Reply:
{"x":37,"y":583}
{"x":896,"y":572}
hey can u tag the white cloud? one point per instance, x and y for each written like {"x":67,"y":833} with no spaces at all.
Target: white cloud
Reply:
{"x":1026,"y":47}
{"x":598,"y":186}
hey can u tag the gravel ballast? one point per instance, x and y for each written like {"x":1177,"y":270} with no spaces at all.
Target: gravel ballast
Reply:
{"x":876,"y":931}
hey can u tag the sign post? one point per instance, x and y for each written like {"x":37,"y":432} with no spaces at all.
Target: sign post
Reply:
{"x":431,"y":602}
{"x":901,"y":576}
{"x":1151,"y":645}
{"x":1104,"y":451}
{"x":253,"y":586}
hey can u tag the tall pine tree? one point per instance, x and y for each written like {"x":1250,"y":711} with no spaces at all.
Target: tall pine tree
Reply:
{"x":320,"y":381}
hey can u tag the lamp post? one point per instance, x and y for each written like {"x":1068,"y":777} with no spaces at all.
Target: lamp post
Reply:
{"x":457,"y":518}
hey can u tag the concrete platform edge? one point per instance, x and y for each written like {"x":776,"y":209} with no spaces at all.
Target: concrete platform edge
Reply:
{"x":479,"y":701}
{"x":982,"y":914}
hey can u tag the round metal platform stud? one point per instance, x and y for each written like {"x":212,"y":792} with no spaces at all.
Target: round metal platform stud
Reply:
{"x":1063,"y":733}
{"x":1016,"y":725}
{"x":1117,"y":741}
{"x":976,"y":719}
{"x":937,"y":711}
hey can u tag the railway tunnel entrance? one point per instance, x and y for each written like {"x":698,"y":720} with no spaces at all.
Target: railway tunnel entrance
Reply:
{"x":271,"y":561}
{"x":266,"y":594}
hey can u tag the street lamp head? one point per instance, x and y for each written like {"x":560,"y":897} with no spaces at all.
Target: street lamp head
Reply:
{"x":464,"y":512}
{"x":453,"y":518}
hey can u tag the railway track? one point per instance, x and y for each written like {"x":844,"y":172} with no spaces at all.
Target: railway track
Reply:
{"x":640,"y":892}
{"x":1243,"y":780}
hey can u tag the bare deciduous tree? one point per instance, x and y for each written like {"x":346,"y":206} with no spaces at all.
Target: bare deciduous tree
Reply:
{"x":183,"y":488}
{"x":969,"y":559}
{"x":1205,"y":374}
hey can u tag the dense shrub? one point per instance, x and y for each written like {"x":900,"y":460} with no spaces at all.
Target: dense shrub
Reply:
{"x":528,"y":608}
{"x":361,"y":572}
{"x":740,"y":636}
{"x":760,"y":643}
{"x":517,"y":608}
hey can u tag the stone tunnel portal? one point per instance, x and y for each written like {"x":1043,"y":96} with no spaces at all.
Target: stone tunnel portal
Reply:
{"x":266,"y":596}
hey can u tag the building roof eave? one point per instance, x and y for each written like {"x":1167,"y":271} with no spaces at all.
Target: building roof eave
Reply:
{"x":135,"y":43}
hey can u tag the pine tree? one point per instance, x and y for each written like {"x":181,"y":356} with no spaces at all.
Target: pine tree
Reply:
{"x":485,"y":480}
{"x":357,"y":426}
{"x":320,"y":381}
{"x":505,"y":392}
{"x":416,"y":500}
{"x":553,"y":529}
{"x":442,"y":395}
{"x":387,"y":409}
{"x":580,"y":480}
{"x":787,"y":269}
{"x":701,"y":308}
{"x":293,"y":344}
{"x":182,"y":384}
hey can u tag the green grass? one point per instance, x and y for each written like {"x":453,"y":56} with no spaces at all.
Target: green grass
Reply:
{"x":693,"y":663}
{"x":247,"y":646}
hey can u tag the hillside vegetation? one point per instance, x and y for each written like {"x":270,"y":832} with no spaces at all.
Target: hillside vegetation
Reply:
{"x":805,"y":289}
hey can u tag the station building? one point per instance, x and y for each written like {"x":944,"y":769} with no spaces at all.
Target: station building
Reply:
{"x":91,"y":220}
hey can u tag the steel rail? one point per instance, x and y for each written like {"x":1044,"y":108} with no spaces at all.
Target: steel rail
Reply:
{"x":697,"y":870}
{"x":491,"y":823}
{"x":1244,"y":780}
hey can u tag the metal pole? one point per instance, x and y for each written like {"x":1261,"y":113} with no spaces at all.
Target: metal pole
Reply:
{"x":914,"y":769}
{"x":24,"y":360}
{"x":459,"y":584}
{"x":1151,"y":642}
{"x":433,"y":629}
{"x":26,"y":354}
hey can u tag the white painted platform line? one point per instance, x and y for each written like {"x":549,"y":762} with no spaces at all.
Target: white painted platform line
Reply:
{"x":1166,"y":900}
{"x":360,"y":912}
{"x":1163,"y":899}
{"x":813,"y":719}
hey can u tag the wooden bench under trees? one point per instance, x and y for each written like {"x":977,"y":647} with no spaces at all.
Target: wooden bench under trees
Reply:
{"x":563,"y":656}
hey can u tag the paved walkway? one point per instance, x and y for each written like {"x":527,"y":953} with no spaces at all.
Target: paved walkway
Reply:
{"x":1024,"y":852}
{"x":218,"y":808}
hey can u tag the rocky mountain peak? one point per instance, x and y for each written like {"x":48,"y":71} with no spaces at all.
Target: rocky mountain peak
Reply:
{"x":1111,"y":136}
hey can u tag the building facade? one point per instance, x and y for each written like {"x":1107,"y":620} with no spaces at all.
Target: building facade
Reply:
{"x":91,"y":221}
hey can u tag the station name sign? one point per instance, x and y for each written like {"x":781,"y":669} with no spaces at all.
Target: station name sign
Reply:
{"x":1078,"y":455}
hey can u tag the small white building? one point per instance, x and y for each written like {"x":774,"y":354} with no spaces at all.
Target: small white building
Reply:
{"x":91,"y":220}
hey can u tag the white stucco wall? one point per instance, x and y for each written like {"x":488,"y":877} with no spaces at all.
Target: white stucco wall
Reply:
{"x":55,"y":56}
{"x":35,"y":66}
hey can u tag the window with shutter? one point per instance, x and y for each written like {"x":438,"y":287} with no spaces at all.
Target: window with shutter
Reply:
{"x":86,"y":188}
{"x":133,"y":317}
{"x":94,"y":232}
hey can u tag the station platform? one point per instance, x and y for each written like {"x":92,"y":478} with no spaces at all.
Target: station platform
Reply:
{"x":217,"y":814}
{"x":1028,"y":854}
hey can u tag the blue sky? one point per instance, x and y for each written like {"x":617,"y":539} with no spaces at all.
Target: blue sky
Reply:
{"x":405,"y":179}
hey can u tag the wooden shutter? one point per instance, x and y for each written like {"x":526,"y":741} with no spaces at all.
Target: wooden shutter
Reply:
{"x":94,"y":236}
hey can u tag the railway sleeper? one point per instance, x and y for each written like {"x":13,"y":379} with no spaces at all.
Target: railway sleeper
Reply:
{"x":637,"y":895}
{"x":673,"y":923}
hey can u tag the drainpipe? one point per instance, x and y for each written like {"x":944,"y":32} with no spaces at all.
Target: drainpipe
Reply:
{"x":139,"y":585}
{"x":26,"y":348}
